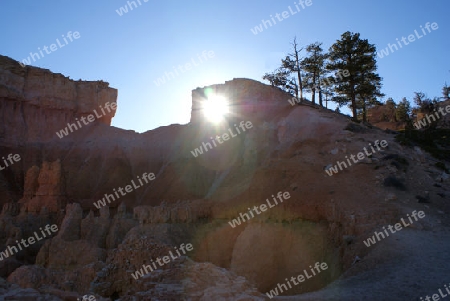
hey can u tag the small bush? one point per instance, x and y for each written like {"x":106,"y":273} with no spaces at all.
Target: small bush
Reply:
{"x":355,"y":128}
{"x":433,"y":141}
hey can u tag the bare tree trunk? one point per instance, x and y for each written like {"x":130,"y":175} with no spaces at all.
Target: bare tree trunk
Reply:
{"x":300,"y":81}
{"x":296,"y":92}
{"x":297,"y":63}
{"x":364,"y":110}
{"x":353,"y":100}
{"x":320,"y":95}
{"x":313,"y":90}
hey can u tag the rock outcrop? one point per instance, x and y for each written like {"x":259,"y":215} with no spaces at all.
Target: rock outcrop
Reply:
{"x":180,"y":212}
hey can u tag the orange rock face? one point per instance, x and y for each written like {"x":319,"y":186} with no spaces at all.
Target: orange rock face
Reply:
{"x":43,"y":188}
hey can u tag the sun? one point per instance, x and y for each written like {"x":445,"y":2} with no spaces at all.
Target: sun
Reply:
{"x":215,"y":107}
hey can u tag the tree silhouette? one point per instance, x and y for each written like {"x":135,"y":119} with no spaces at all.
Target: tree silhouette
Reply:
{"x":359,"y":58}
{"x":313,"y":65}
{"x":292,"y":63}
{"x":403,"y":111}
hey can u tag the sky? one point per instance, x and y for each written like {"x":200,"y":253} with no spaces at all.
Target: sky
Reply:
{"x":132,"y":50}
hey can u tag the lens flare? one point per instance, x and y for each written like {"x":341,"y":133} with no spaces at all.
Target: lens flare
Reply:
{"x":215,"y":107}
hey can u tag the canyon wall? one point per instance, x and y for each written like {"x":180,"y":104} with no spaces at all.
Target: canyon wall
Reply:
{"x":192,"y":198}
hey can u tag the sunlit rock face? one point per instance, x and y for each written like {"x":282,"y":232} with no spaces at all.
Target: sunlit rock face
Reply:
{"x":36,"y":102}
{"x":248,"y":99}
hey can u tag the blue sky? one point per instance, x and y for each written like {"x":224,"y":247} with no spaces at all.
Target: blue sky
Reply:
{"x":133,"y":50}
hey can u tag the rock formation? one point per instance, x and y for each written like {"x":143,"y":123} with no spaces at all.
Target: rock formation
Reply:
{"x":43,"y":188}
{"x":32,"y":97}
{"x":193,"y":199}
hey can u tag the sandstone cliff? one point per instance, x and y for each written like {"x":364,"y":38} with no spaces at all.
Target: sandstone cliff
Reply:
{"x":32,"y":97}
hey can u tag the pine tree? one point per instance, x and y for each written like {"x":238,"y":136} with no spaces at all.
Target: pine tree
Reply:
{"x":328,"y":92}
{"x":313,"y":65}
{"x":403,"y":110}
{"x":357,"y":56}
{"x":446,"y":92}
{"x":391,"y":108}
{"x":368,"y":90}
{"x":423,"y":103}
{"x":282,"y":79}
